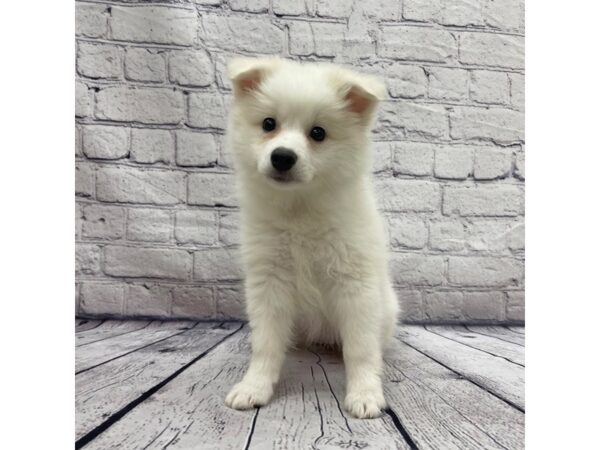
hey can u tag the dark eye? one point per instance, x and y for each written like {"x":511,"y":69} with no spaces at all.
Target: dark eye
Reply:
{"x":269,"y":124}
{"x":317,"y":133}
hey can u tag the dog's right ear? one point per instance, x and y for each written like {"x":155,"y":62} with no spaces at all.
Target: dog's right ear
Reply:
{"x":246,"y":74}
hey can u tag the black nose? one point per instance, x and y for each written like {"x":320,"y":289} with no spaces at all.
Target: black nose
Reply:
{"x":283,"y":159}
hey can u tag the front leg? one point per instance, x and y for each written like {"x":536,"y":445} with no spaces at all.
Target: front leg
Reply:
{"x":360,"y":322}
{"x":270,"y":313}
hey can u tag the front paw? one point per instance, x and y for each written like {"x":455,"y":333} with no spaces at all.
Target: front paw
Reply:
{"x":365,"y":404}
{"x":247,"y":395}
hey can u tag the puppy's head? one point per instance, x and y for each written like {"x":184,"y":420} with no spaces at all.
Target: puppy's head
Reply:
{"x":297,"y":125}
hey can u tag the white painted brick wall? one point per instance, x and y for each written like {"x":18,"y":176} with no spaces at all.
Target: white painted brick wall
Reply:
{"x":157,"y":222}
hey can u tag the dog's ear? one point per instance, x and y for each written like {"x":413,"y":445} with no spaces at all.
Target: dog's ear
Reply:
{"x":246,"y":74}
{"x":361,"y":92}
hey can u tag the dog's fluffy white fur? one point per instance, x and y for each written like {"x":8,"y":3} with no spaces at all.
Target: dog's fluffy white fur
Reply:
{"x":313,"y":243}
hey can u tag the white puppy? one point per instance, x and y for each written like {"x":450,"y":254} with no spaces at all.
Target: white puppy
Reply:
{"x":313,"y":243}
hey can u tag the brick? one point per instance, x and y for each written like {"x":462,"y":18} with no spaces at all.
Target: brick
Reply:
{"x":150,"y":300}
{"x":78,"y":142}
{"x":91,"y":20}
{"x":407,"y":232}
{"x":421,"y":10}
{"x":484,"y":200}
{"x":162,"y":25}
{"x":78,"y":220}
{"x":491,"y":163}
{"x":417,"y":44}
{"x":230,"y":303}
{"x":382,"y":156}
{"x":231,"y":33}
{"x":446,"y":235}
{"x":484,"y":306}
{"x":196,"y":227}
{"x":336,"y":40}
{"x":515,"y":306}
{"x":105,"y":142}
{"x":382,"y":9}
{"x":196,"y":302}
{"x":145,"y":64}
{"x":149,"y":225}
{"x":103,"y":222}
{"x":195,"y":149}
{"x":407,"y":195}
{"x":417,"y":269}
{"x":145,"y":105}
{"x":150,"y":146}
{"x":99,"y":60}
{"x":84,"y":179}
{"x":211,"y":189}
{"x":302,"y":41}
{"x":83,"y":100}
{"x":516,"y":237}
{"x":489,"y":87}
{"x":419,"y":120}
{"x":491,"y":49}
{"x":217,"y":264}
{"x":503,"y":126}
{"x":520,"y":166}
{"x":453,"y":162}
{"x":289,"y":7}
{"x":517,"y":91}
{"x":191,"y":68}
{"x":494,"y":236}
{"x":443,"y":306}
{"x":406,"y":81}
{"x":87,"y":259}
{"x":505,"y":14}
{"x":340,"y":10}
{"x":413,"y":158}
{"x":411,"y":305}
{"x":448,"y":84}
{"x":147,"y":262}
{"x":254,"y":6}
{"x":229,"y":228}
{"x":461,"y":14}
{"x":102,"y":299}
{"x":132,"y":185}
{"x":484,"y":271}
{"x":207,"y":110}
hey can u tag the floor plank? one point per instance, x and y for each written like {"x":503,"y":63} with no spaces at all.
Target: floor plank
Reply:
{"x":307,"y":410}
{"x":506,"y":350}
{"x":108,"y":329}
{"x":500,"y":333}
{"x":106,"y":389}
{"x":163,"y":386}
{"x":189,"y":412}
{"x":498,"y":376}
{"x":99,"y":352}
{"x":517,"y":330}
{"x":86,"y":324}
{"x":441,"y":410}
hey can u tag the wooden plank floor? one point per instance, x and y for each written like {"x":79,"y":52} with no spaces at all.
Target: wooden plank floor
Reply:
{"x":157,"y":385}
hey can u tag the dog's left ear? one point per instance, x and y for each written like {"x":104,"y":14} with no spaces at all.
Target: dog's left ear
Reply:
{"x":246,"y":74}
{"x":361,"y":92}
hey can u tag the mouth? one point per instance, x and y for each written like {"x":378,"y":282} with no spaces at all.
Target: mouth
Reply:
{"x":282,"y":178}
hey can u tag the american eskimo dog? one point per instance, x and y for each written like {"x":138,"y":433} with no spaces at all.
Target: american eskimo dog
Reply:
{"x":313,"y":242}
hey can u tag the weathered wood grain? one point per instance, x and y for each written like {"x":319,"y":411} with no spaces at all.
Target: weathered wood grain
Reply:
{"x":506,"y":350}
{"x":441,"y":410}
{"x":307,"y":410}
{"x":86,"y":324}
{"x":98,"y":352}
{"x":498,"y":376}
{"x":500,"y":333}
{"x":189,"y":411}
{"x":108,"y":329}
{"x":517,"y":330}
{"x":104,"y":390}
